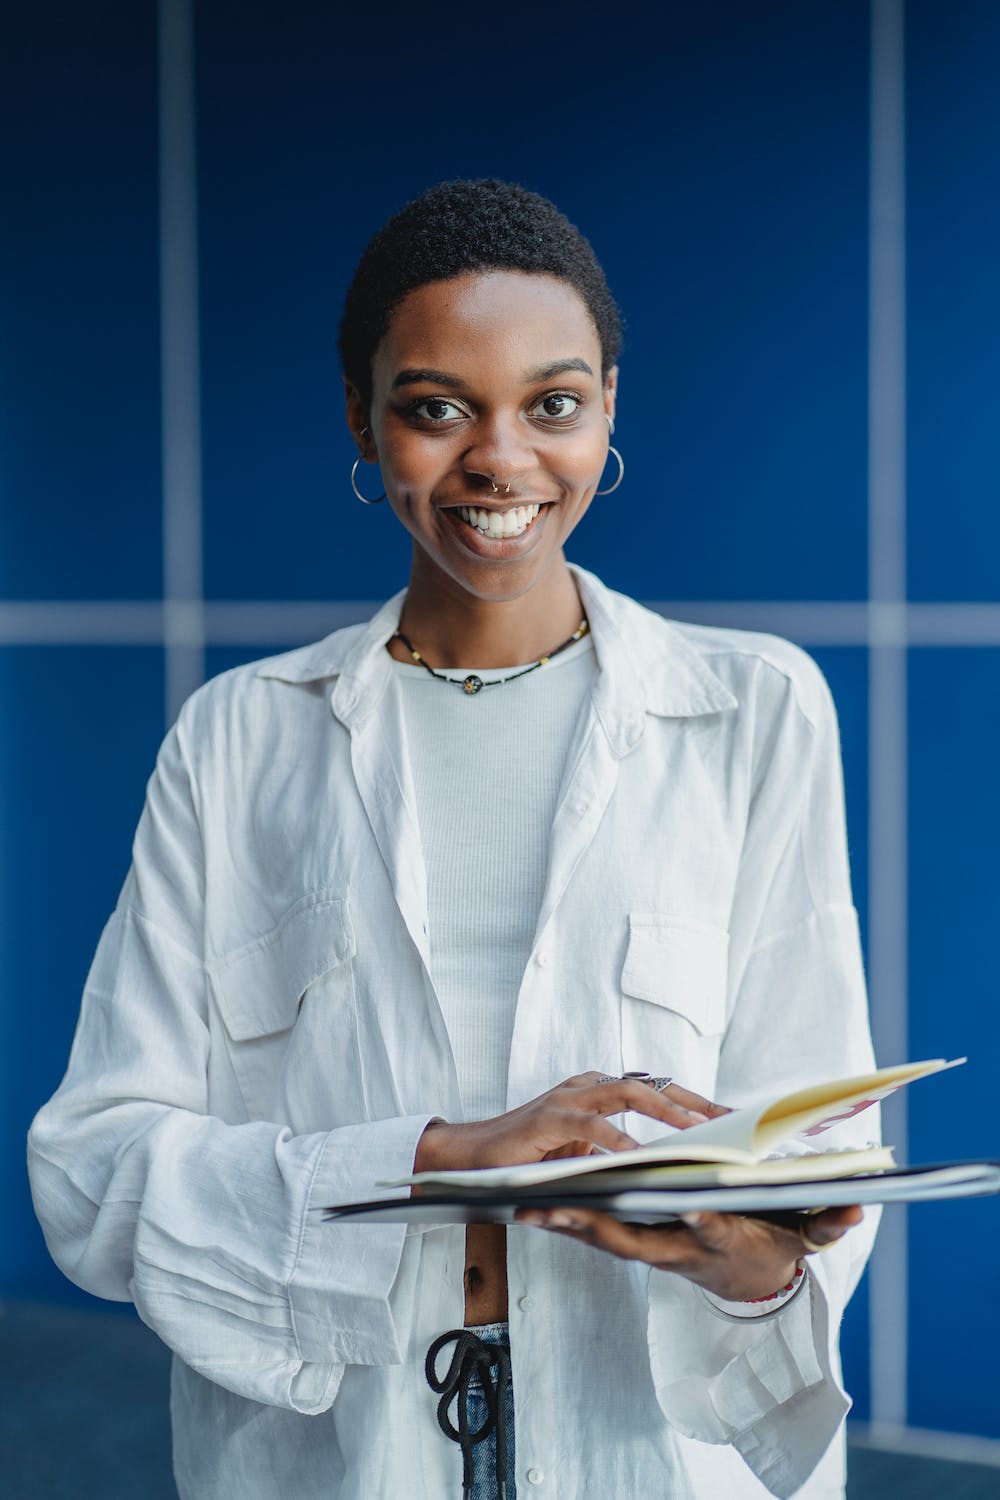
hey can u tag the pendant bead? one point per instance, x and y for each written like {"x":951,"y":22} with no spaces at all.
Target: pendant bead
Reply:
{"x":472,"y":684}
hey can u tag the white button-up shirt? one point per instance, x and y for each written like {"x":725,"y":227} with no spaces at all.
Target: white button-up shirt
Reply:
{"x":260,"y":1037}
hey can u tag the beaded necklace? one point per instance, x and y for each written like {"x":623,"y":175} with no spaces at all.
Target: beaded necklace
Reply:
{"x":473,"y":684}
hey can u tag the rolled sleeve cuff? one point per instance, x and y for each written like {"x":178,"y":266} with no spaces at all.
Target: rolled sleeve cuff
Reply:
{"x":339,"y":1291}
{"x":766,"y":1386}
{"x":766,"y":1307}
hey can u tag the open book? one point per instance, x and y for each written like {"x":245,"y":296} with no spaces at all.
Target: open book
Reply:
{"x":729,"y":1163}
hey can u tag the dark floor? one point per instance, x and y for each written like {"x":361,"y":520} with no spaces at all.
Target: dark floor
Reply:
{"x":874,"y":1475}
{"x":83,"y":1406}
{"x":83,"y":1416}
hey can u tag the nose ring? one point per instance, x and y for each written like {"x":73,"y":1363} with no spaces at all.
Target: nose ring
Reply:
{"x":496,"y":489}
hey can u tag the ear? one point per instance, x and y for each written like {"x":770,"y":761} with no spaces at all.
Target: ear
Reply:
{"x":357,"y":418}
{"x":611,"y":391}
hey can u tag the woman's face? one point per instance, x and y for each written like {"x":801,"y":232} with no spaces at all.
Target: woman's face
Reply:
{"x":489,"y":421}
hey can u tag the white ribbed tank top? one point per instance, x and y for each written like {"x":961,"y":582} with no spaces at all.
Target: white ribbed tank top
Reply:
{"x":487,"y":771}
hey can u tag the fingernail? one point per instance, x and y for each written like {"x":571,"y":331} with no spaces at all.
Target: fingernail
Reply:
{"x":530,"y":1216}
{"x":692,"y":1220}
{"x":560,"y":1219}
{"x":697,"y":1115}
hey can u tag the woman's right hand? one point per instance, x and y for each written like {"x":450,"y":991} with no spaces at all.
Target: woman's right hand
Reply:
{"x":569,"y":1120}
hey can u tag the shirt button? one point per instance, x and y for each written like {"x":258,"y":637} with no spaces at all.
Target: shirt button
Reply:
{"x":536,"y":1476}
{"x":526,"y":1303}
{"x":541,"y":958}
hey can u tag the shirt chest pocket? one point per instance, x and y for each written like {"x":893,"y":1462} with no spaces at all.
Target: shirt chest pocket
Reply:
{"x":288,"y":1008}
{"x":673,"y":1014}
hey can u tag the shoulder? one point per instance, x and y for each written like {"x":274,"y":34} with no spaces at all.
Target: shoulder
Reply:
{"x":251,"y":698}
{"x":755,"y":665}
{"x":747,"y":670}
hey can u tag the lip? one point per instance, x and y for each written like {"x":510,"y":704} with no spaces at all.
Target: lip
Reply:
{"x":509,"y":503}
{"x":496,"y":548}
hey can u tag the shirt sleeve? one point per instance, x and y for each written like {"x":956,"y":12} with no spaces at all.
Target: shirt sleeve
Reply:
{"x":771,"y":1385}
{"x":213,"y":1229}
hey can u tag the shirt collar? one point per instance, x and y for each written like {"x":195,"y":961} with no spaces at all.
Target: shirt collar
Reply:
{"x":646,"y":664}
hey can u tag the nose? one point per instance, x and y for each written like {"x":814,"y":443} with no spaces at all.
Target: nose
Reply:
{"x":500,"y":451}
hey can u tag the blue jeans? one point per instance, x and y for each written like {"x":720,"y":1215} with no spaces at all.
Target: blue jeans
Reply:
{"x":476,"y":1374}
{"x":484,"y":1455}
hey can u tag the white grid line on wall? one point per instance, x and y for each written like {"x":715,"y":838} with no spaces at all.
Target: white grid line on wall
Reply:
{"x":293,"y":622}
{"x":180,"y":361}
{"x":887,"y":662}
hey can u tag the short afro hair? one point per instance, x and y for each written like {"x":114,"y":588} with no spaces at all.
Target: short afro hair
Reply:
{"x":454,"y":227}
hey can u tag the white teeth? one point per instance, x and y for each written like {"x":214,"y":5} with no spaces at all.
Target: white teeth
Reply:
{"x":497,"y":523}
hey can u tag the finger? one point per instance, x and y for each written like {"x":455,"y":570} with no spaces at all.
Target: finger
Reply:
{"x":695,"y":1108}
{"x":582,"y":1080}
{"x":697,"y":1102}
{"x":844,"y":1218}
{"x":570,"y":1149}
{"x":663,"y":1245}
{"x":714,"y":1232}
{"x":669,"y":1088}
{"x":821,"y":1230}
{"x":618,"y":1094}
{"x":589,"y":1126}
{"x":742,"y":1234}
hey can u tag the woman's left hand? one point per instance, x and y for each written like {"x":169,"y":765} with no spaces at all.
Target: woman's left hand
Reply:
{"x":738,"y":1258}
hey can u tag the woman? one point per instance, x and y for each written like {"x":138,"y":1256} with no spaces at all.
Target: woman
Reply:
{"x":419,"y":896}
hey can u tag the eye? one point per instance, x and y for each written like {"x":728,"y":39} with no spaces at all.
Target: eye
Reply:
{"x":557,"y":406}
{"x":436,"y":409}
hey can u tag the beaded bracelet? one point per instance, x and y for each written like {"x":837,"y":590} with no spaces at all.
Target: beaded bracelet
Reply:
{"x":784,"y":1291}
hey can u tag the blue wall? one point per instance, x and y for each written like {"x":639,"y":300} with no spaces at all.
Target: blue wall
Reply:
{"x":717,"y":155}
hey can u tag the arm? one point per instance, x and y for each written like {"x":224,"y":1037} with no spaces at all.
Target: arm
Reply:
{"x":211,"y":1228}
{"x":771,"y":1386}
{"x":769,"y":1383}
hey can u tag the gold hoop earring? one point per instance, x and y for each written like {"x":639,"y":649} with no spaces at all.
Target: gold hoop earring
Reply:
{"x":354,"y":486}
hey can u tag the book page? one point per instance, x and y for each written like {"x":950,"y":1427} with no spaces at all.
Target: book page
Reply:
{"x":810,"y":1112}
{"x":678,"y":1146}
{"x":744,"y":1135}
{"x":749,"y":1134}
{"x":812,"y":1168}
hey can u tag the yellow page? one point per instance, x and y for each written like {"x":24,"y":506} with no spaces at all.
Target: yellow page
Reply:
{"x":749,"y":1134}
{"x":810,"y":1112}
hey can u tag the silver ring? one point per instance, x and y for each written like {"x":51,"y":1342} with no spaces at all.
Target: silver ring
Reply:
{"x":654,"y":1081}
{"x":658,"y":1083}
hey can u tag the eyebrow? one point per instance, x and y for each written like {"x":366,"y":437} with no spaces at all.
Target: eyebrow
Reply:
{"x":432,"y":377}
{"x":558,"y":367}
{"x":456,"y":383}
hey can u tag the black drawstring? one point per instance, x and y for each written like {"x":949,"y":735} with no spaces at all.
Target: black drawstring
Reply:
{"x":472,"y":1355}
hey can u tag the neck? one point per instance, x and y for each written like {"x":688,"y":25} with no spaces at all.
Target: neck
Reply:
{"x":452,"y":628}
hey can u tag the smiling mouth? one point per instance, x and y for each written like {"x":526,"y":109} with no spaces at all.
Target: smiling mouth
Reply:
{"x":498,"y":523}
